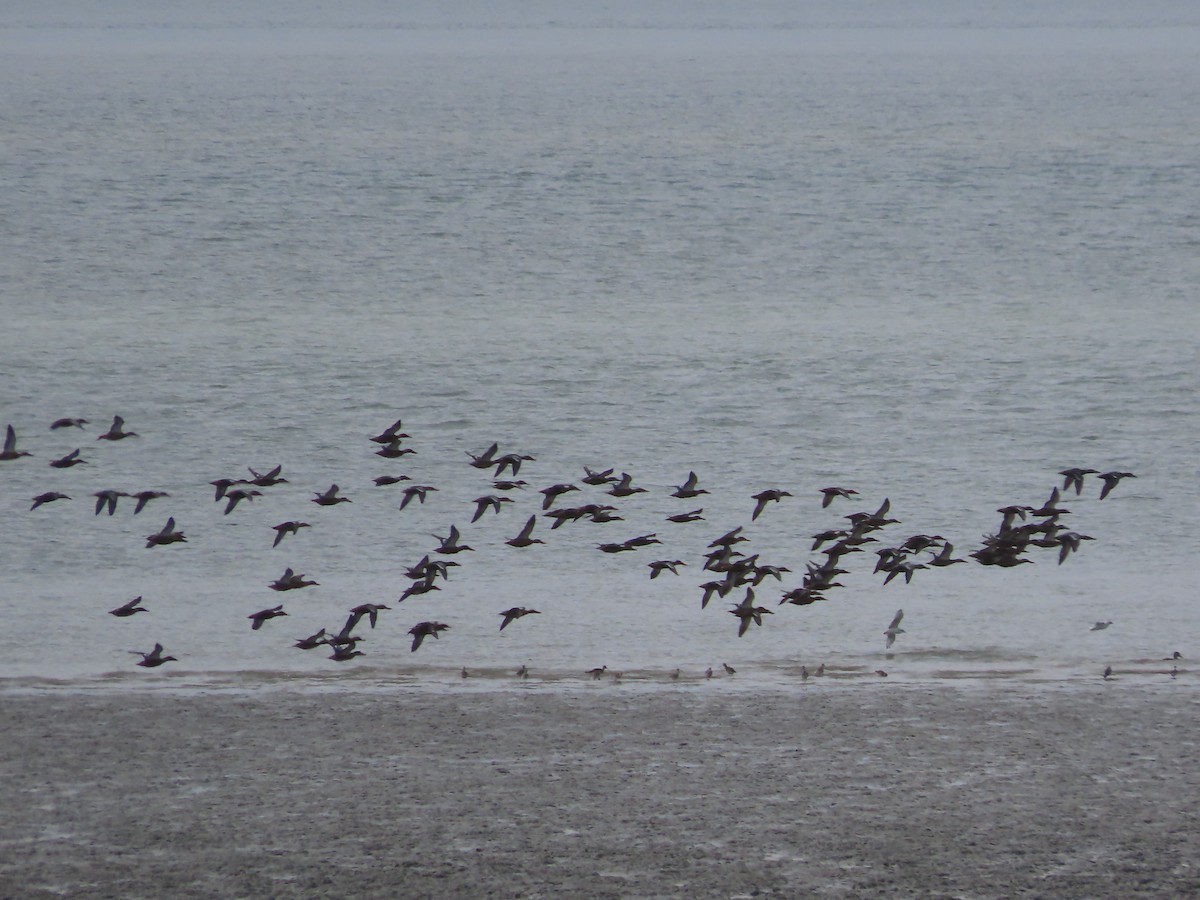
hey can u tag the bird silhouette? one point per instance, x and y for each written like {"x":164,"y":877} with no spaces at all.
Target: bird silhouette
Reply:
{"x":1073,"y":477}
{"x":516,"y":612}
{"x":832,"y":493}
{"x":1110,"y":480}
{"x":422,"y":630}
{"x":168,"y":535}
{"x":125,"y":610}
{"x":283,"y":529}
{"x":688,"y":488}
{"x":525,"y":539}
{"x":264,"y":615}
{"x":66,"y":462}
{"x":144,"y":497}
{"x":154,"y":658}
{"x":765,"y":497}
{"x":116,"y":431}
{"x":415,"y":491}
{"x":107,"y":499}
{"x":330,"y":497}
{"x":747,"y":612}
{"x":894,"y":629}
{"x":290,"y":581}
{"x":47,"y":497}
{"x":10,"y":450}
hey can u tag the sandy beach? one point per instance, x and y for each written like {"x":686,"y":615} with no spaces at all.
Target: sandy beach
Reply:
{"x":609,"y":790}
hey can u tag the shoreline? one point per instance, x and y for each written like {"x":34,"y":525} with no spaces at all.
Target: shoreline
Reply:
{"x":911,"y":790}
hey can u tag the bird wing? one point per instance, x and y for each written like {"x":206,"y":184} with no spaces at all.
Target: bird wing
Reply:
{"x":896,"y":621}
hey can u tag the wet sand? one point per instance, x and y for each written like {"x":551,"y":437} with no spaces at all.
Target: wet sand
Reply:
{"x":882,"y":790}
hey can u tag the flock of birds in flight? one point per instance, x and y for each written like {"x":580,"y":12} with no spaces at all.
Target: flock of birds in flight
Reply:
{"x":1021,"y":531}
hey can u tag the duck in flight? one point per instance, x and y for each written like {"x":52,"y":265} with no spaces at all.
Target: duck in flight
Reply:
{"x":1111,"y":480}
{"x":66,"y":462}
{"x":832,"y":493}
{"x":108,"y":498}
{"x":688,"y":488}
{"x":312,"y":641}
{"x":144,"y":497}
{"x":237,"y":495}
{"x":116,"y":431}
{"x":125,"y":610}
{"x":283,"y":529}
{"x":525,"y":538}
{"x":168,"y":535}
{"x":553,"y":492}
{"x":269,"y":479}
{"x":665,"y":565}
{"x":765,"y":497}
{"x":417,"y":491}
{"x":265,"y":615}
{"x":385,"y":480}
{"x":393,"y":450}
{"x":1073,"y":477}
{"x":330,"y":497}
{"x":624,"y":487}
{"x":10,"y":450}
{"x":486,"y":459}
{"x":747,"y":612}
{"x":422,"y":630}
{"x":516,"y":612}
{"x":490,"y":501}
{"x":154,"y":658}
{"x":368,"y":610}
{"x":67,"y":423}
{"x":596,"y":479}
{"x":390,"y":434}
{"x":290,"y":581}
{"x":47,"y":497}
{"x":450,"y":543}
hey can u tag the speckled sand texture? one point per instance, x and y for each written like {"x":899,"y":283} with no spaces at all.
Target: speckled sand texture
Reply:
{"x":613,"y":791}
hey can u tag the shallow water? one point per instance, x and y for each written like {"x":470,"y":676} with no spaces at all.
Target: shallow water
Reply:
{"x":934,"y":260}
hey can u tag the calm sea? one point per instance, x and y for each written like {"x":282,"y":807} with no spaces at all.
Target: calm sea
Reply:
{"x":932,"y":253}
